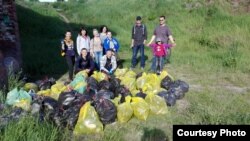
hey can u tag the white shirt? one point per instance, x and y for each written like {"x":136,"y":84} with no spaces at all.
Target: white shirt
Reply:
{"x":82,"y":42}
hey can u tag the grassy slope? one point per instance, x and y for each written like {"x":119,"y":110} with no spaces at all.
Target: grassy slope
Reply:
{"x":211,"y":55}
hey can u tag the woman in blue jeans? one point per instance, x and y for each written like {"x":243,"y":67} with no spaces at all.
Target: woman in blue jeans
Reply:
{"x":96,"y":49}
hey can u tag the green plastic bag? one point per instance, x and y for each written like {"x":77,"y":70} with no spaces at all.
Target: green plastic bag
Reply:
{"x":140,"y":108}
{"x":157,"y":104}
{"x":124,"y":111}
{"x":79,"y":84}
{"x":19,"y":98}
{"x":88,"y":121}
{"x":12,"y":96}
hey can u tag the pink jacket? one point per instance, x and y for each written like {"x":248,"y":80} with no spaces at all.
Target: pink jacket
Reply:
{"x":165,"y":47}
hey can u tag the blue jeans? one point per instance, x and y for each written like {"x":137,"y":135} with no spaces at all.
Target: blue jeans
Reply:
{"x":154,"y":63}
{"x":98,"y":56}
{"x":159,"y":63}
{"x":135,"y":50}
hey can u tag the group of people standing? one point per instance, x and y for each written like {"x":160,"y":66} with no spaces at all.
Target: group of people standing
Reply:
{"x":160,"y":48}
{"x":90,"y":51}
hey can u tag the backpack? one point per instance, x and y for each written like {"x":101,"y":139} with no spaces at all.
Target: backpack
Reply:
{"x":143,"y":29}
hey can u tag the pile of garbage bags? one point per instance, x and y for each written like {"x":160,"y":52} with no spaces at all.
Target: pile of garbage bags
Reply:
{"x":87,"y":104}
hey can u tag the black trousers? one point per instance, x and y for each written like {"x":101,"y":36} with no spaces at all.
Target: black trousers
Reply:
{"x":70,"y":62}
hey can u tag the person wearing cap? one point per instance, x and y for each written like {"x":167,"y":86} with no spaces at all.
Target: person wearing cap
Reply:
{"x":163,"y":32}
{"x":139,"y":37}
{"x":159,"y":50}
{"x":108,"y":62}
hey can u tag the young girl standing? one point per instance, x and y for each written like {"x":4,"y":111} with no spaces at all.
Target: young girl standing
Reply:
{"x":159,"y":51}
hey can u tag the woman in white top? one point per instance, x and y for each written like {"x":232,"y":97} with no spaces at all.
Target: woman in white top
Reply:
{"x":82,"y":41}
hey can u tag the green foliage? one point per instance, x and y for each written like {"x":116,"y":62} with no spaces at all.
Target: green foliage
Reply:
{"x":232,"y":56}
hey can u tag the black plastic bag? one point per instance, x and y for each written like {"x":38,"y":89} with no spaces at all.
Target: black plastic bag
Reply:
{"x":48,"y":109}
{"x":36,"y":104}
{"x":105,"y":94}
{"x":66,"y":99}
{"x":92,"y":83}
{"x":141,"y":94}
{"x":70,"y":99}
{"x":45,"y":84}
{"x":104,"y":85}
{"x":115,"y":82}
{"x":169,"y":98}
{"x":67,"y":118}
{"x":179,"y":88}
{"x":123,"y":91}
{"x":106,"y":110}
{"x":70,"y":104}
{"x":15,"y":115}
{"x":138,"y":75}
{"x":166,"y":82}
{"x":90,"y":92}
{"x":184,"y":86}
{"x":175,"y":89}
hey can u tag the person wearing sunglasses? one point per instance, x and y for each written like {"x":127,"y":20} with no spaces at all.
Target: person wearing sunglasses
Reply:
{"x":162,"y":32}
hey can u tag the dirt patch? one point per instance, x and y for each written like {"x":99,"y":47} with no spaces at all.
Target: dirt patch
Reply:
{"x":182,"y":105}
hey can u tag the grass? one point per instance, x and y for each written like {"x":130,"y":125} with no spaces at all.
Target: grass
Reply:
{"x":212,"y":55}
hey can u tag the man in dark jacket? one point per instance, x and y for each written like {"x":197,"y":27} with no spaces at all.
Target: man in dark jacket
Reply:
{"x":139,"y":37}
{"x":84,"y":62}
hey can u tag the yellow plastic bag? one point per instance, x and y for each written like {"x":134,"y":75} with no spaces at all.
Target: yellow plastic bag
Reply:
{"x":154,"y":91}
{"x":30,"y":86}
{"x":88,"y":121}
{"x":157,"y":104}
{"x":153,"y":80}
{"x":99,"y":76}
{"x":57,"y":89}
{"x":141,"y":81}
{"x":116,"y":100}
{"x":134,"y":92}
{"x":120,"y":72}
{"x":163,"y":74}
{"x":44,"y":92}
{"x":129,"y":82}
{"x":130,"y":74}
{"x":82,"y":73}
{"x":125,"y":111}
{"x":140,"y":108}
{"x":23,"y":103}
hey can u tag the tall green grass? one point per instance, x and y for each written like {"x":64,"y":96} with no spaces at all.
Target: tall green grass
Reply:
{"x":29,"y":129}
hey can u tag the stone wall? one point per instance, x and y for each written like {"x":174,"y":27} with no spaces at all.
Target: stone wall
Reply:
{"x":10,"y":50}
